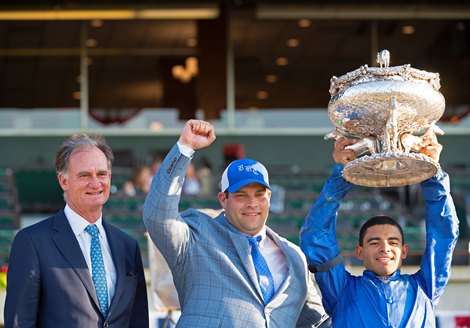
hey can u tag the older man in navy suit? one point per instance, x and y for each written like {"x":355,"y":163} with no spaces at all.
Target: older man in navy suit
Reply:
{"x":231,"y":271}
{"x":74,"y":269}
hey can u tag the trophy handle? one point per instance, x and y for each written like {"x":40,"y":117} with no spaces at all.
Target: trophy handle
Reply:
{"x":367,"y":145}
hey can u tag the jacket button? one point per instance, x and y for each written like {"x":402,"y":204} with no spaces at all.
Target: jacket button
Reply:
{"x":105,"y":324}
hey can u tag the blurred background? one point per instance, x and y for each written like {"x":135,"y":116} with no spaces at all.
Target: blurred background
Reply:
{"x":259,"y":70}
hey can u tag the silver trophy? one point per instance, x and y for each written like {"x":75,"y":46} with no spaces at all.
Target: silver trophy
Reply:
{"x":388,"y":110}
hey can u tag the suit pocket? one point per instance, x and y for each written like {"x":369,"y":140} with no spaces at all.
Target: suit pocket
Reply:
{"x":131,"y":280}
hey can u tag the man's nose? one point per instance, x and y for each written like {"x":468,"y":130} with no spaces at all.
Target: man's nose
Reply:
{"x":251,"y":201}
{"x":94,"y":181}
{"x":385,"y":246}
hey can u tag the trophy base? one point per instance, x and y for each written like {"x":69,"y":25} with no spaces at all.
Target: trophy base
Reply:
{"x":391,"y":169}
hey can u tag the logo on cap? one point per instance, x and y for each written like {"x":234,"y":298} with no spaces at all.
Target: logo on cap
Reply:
{"x":242,"y":172}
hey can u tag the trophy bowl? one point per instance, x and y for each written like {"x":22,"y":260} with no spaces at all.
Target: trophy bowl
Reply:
{"x":388,"y":110}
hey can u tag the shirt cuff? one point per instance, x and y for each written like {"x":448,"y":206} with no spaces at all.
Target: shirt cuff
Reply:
{"x":185,"y":150}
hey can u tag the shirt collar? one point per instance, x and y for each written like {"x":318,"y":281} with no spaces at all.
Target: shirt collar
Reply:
{"x":371,"y":275}
{"x":263,"y":240}
{"x":78,"y":223}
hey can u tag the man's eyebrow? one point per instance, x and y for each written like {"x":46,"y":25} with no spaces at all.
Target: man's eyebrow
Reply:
{"x":378,"y":239}
{"x":83,"y":172}
{"x":373,"y":239}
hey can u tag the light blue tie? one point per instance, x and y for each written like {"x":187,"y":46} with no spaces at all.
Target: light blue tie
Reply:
{"x":265,"y":278}
{"x":98,"y":271}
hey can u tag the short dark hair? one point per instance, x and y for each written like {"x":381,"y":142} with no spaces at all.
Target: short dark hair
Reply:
{"x":379,"y":220}
{"x":79,"y":141}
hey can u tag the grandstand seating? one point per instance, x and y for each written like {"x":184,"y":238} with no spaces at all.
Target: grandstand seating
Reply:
{"x":126,"y":213}
{"x":9,"y":212}
{"x":38,"y":190}
{"x":300,"y":189}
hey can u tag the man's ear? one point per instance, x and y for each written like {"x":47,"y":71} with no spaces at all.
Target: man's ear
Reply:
{"x":404,"y":251}
{"x":62,"y":181}
{"x":358,"y":251}
{"x":222,"y":199}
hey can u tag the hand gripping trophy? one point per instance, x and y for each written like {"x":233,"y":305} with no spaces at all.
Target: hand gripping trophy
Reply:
{"x":391,"y":111}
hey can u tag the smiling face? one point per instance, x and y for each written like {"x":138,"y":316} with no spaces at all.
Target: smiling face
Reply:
{"x":247,"y":209}
{"x":382,"y":250}
{"x":87,"y":182}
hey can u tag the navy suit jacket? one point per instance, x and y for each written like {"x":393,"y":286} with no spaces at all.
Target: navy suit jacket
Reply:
{"x":49,"y":283}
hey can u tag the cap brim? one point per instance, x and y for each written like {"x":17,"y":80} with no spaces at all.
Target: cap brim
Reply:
{"x":240,"y":184}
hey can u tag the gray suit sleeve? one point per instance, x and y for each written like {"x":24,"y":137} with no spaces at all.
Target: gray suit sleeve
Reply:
{"x":313,"y":314}
{"x":167,"y":229}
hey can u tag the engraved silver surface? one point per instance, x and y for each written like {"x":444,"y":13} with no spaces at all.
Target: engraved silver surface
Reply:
{"x":388,"y":109}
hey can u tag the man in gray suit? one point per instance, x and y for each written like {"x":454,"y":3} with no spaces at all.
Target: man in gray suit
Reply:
{"x":222,"y":281}
{"x":74,"y":269}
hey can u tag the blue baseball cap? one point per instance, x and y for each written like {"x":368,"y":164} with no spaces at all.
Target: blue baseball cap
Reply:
{"x":242,"y":172}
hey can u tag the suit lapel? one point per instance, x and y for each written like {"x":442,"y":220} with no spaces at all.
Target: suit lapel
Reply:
{"x":243,"y":249}
{"x":244,"y":252}
{"x":118,"y":253}
{"x":67,"y":244}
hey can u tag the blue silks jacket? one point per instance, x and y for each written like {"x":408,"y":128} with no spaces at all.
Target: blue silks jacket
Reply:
{"x":364,"y":301}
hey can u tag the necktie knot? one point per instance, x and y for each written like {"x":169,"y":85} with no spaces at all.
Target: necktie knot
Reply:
{"x":254,"y":241}
{"x":92,"y":229}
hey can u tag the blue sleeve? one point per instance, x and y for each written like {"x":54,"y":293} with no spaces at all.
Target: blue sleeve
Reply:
{"x":318,"y":237}
{"x":442,"y":230}
{"x":318,"y":232}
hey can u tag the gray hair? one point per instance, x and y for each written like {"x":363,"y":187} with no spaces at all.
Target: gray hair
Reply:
{"x":77,"y":142}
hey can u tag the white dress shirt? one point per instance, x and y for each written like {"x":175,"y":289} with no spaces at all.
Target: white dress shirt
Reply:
{"x":78,"y":225}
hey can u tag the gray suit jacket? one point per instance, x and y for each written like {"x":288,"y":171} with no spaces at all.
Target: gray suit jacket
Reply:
{"x":212,"y":267}
{"x":49,"y":283}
